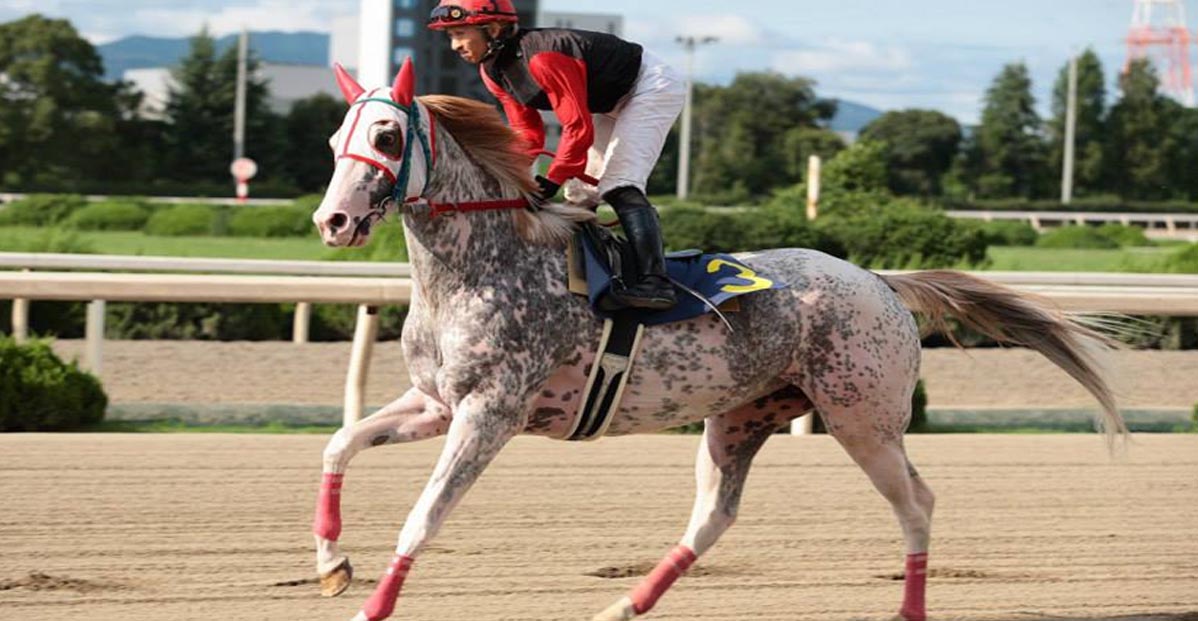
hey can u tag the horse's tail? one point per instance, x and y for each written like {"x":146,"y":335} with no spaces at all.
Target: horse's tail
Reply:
{"x":1008,"y":316}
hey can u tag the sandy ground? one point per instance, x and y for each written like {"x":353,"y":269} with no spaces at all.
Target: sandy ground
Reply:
{"x":215,"y":528}
{"x":314,"y":374}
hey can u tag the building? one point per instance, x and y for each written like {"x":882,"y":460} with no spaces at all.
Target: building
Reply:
{"x":375,"y":43}
{"x":287,"y":84}
{"x":597,"y":22}
{"x":392,"y":30}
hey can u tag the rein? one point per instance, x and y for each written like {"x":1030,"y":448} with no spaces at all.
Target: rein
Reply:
{"x":399,"y":194}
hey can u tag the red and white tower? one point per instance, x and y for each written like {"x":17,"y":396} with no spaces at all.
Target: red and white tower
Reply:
{"x":1159,"y":31}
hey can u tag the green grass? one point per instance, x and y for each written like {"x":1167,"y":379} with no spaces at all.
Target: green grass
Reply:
{"x":1029,"y":259}
{"x":137,"y":243}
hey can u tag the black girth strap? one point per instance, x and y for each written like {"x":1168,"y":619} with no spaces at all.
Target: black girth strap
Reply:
{"x":609,"y":373}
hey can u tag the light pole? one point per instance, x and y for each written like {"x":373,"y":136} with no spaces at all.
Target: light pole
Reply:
{"x":684,"y":139}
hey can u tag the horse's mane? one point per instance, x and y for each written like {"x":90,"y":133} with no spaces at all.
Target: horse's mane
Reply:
{"x":482,"y":134}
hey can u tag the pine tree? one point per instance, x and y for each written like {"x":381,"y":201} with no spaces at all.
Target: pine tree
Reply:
{"x":1136,"y":155}
{"x":1010,"y":155}
{"x":1090,"y":134}
{"x":199,"y":111}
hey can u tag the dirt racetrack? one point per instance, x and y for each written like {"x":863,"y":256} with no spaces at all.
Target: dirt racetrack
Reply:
{"x":215,"y":528}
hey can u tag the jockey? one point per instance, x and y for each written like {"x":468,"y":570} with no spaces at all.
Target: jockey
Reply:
{"x":616,"y":103}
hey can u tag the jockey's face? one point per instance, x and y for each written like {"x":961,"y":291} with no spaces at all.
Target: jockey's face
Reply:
{"x":470,"y":42}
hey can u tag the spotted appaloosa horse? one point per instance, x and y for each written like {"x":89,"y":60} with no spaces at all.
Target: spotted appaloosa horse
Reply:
{"x":497,"y":346}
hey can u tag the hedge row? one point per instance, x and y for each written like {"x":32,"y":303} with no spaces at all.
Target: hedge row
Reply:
{"x":71,"y":211}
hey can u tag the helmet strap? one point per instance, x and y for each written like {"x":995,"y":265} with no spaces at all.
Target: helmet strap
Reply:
{"x":495,"y":44}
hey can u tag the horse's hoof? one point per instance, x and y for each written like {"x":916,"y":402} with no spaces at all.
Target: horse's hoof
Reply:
{"x":619,"y":611}
{"x":337,"y":581}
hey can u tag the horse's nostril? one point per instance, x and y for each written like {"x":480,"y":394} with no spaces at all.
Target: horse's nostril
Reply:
{"x":338,"y":221}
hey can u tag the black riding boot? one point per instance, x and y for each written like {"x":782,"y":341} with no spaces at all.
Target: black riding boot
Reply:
{"x":652,"y":288}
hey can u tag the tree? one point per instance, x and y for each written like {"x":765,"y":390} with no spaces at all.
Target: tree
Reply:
{"x":57,"y":115}
{"x":1137,"y":161}
{"x":1182,"y":148}
{"x":800,"y":143}
{"x":742,"y":128}
{"x":1091,"y":125}
{"x":199,"y":112}
{"x":1010,"y":154}
{"x":860,"y":168}
{"x":308,"y":127}
{"x":920,"y":146}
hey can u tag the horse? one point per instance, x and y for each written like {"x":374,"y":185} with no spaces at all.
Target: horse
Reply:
{"x":497,"y":345}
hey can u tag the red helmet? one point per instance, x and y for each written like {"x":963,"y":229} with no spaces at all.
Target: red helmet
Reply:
{"x":451,"y":13}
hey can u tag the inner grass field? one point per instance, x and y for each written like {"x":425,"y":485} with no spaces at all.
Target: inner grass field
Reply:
{"x":1002,"y":258}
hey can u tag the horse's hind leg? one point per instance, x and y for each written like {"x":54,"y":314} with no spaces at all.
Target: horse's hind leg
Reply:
{"x":892,"y":474}
{"x":411,"y":417}
{"x":730,"y":441}
{"x":870,"y":430}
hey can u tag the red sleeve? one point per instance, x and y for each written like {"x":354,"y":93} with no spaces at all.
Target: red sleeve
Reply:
{"x":564,"y":80}
{"x":524,"y":120}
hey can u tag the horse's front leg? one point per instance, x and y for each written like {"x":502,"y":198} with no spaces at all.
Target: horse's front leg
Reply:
{"x":482,"y":424}
{"x":414,"y":416}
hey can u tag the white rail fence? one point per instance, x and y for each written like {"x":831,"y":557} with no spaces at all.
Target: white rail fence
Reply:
{"x":35,"y":276}
{"x":1155,"y":225}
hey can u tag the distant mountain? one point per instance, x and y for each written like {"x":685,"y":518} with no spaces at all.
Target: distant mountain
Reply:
{"x":138,"y":52}
{"x":851,"y":117}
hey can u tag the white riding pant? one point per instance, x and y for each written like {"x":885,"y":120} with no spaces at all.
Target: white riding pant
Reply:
{"x":628,"y":140}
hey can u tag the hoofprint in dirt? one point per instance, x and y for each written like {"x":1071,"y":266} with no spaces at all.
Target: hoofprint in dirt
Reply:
{"x":208,"y":528}
{"x":208,"y":372}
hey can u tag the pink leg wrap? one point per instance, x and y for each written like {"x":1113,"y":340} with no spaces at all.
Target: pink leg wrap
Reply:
{"x":646,"y":594}
{"x":327,"y":523}
{"x":382,"y":603}
{"x":914,"y":608}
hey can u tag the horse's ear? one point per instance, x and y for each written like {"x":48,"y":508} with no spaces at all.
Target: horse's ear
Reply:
{"x":404,"y":89}
{"x":350,"y":88}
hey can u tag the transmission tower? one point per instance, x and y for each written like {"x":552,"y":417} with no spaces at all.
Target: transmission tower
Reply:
{"x":1159,"y":31}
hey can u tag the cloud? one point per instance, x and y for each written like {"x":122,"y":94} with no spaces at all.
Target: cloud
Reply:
{"x":173,"y":20}
{"x":730,"y":29}
{"x":838,"y":55}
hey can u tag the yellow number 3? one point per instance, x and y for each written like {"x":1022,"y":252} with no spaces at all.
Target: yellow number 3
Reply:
{"x":756,"y":283}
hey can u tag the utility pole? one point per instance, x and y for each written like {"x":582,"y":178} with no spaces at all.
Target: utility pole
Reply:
{"x":684,"y":139}
{"x":242,"y":168}
{"x":1070,"y":134}
{"x":239,"y":102}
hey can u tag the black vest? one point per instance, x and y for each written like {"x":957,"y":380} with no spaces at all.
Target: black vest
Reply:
{"x":612,"y":65}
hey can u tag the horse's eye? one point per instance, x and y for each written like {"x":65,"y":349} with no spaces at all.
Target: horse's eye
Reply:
{"x":385,"y":140}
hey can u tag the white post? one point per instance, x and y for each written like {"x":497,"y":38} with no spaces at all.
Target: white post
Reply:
{"x":303,"y":320}
{"x":365,"y":333}
{"x":1070,"y":135}
{"x":95,"y":337}
{"x":813,"y":180}
{"x":20,"y":320}
{"x":803,"y":425}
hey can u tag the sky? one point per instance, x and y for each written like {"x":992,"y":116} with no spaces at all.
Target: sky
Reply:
{"x":890,"y":54}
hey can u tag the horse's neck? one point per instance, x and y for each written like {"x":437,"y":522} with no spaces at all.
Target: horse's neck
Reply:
{"x":457,"y":249}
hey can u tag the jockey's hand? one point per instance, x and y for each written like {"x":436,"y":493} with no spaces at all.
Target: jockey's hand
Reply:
{"x":548,"y":189}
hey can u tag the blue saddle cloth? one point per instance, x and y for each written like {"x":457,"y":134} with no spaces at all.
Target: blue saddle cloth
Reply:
{"x":717,"y":277}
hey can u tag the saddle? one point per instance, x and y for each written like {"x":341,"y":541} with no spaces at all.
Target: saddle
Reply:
{"x":597,"y":258}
